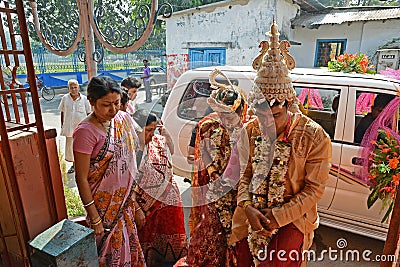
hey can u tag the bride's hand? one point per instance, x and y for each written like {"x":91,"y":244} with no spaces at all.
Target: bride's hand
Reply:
{"x":140,"y":218}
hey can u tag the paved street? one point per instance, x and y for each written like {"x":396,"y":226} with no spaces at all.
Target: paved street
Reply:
{"x":327,"y":239}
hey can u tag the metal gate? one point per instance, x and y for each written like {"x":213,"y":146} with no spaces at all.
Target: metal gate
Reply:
{"x":15,"y":117}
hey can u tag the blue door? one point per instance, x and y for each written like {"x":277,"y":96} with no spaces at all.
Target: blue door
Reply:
{"x":204,"y":57}
{"x":326,"y":48}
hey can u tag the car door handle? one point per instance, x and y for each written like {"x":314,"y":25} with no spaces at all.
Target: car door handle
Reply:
{"x":357,"y":161}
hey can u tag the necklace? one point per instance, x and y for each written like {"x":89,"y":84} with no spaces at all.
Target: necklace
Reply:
{"x":104,"y":125}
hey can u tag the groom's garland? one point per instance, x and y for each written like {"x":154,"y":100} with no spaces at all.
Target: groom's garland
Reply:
{"x":268,"y":190}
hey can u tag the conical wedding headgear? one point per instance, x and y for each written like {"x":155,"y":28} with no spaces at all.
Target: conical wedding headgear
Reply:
{"x":272,"y":82}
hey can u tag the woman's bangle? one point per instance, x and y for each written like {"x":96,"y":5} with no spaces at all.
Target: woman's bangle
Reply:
{"x":137,"y":209}
{"x":88,"y":204}
{"x":95,"y":221}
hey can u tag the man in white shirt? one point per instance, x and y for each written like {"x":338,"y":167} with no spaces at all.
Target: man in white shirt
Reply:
{"x":74,"y":107}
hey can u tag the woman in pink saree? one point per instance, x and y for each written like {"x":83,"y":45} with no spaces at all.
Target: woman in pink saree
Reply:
{"x":105,"y":167}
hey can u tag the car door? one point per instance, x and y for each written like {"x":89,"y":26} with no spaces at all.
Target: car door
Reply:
{"x":350,"y":201}
{"x":317,"y":101}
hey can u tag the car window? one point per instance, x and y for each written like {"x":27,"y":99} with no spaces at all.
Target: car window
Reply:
{"x":193,"y":105}
{"x":156,"y":70}
{"x":368,"y":107}
{"x":138,"y":69}
{"x":321,"y":105}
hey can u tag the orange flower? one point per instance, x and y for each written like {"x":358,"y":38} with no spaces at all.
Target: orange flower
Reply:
{"x":393,"y":163}
{"x":386,"y":189}
{"x":396,"y":179}
{"x":102,"y":199}
{"x":119,"y":195}
{"x":112,"y":212}
{"x":385,"y":150}
{"x":363,"y":68}
{"x":128,"y":221}
{"x":118,"y":133}
{"x":116,"y":239}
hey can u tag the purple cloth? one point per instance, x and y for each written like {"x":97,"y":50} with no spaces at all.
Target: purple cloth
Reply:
{"x":147,"y":73}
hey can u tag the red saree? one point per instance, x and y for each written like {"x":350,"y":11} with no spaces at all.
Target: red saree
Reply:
{"x":163,"y":237}
{"x":210,"y":224}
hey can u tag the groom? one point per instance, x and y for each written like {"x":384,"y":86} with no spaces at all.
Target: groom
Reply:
{"x":283,"y":170}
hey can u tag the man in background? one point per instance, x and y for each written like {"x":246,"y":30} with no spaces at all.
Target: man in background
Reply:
{"x":74,"y":107}
{"x":146,"y":75}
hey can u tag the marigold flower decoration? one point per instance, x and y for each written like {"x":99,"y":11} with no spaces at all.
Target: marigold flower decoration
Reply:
{"x":357,"y":63}
{"x":384,"y":171}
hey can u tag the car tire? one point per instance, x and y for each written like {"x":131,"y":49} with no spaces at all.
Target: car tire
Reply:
{"x":152,"y":82}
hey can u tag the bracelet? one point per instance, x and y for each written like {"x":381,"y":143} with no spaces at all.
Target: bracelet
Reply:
{"x":95,"y":221}
{"x":88,"y":204}
{"x":247,"y":203}
{"x":138,"y":209}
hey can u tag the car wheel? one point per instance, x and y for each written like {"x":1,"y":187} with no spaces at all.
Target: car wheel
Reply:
{"x":152,"y":82}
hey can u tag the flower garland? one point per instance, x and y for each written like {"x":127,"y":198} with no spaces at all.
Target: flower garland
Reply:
{"x":271,"y":185}
{"x":223,"y":196}
{"x":384,"y":172}
{"x":216,"y":140}
{"x":225,"y":205}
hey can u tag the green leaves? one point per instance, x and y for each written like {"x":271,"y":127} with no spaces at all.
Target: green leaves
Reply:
{"x":383,"y":168}
{"x":389,"y":210}
{"x":373,"y":197}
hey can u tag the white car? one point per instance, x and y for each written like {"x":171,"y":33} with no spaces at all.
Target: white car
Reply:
{"x":158,"y":74}
{"x":344,"y":203}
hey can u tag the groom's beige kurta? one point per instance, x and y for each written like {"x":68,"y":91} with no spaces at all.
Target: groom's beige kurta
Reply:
{"x":307,"y":174}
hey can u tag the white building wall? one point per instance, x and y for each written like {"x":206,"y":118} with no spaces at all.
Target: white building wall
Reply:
{"x":239,"y":27}
{"x":365,"y":37}
{"x":378,"y":33}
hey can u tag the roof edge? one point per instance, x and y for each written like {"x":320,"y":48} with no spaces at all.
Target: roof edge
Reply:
{"x":209,"y":7}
